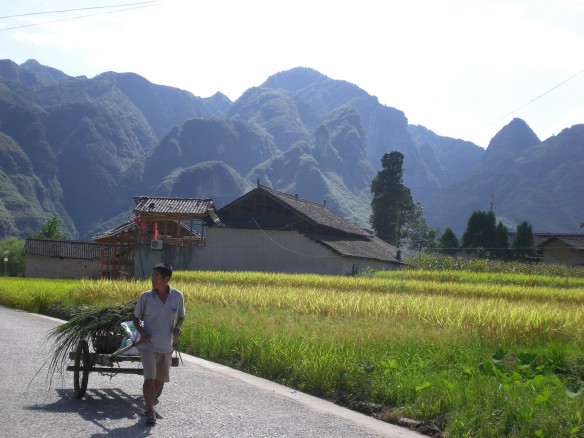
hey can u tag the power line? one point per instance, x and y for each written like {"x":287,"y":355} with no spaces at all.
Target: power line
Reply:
{"x":506,"y":115}
{"x":536,"y":98}
{"x":289,"y":249}
{"x":136,"y":6}
{"x":76,"y":9}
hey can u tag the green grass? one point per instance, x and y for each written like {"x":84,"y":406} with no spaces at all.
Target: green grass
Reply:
{"x":477,"y":353}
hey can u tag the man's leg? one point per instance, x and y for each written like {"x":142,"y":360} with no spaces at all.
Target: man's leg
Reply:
{"x":149,"y":391}
{"x":157,"y":384}
{"x":149,"y":385}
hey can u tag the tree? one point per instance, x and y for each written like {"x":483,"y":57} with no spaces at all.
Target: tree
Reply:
{"x":523,"y":245}
{"x":51,"y":229}
{"x":480,"y":232}
{"x":485,"y":236}
{"x":420,"y":236}
{"x":12,"y":249}
{"x":392,"y":206}
{"x":500,"y":241}
{"x":448,"y":242}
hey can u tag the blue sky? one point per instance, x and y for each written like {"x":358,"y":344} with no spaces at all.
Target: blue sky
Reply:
{"x":462,"y":68}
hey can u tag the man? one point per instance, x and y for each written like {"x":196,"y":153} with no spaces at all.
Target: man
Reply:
{"x":158,"y":315}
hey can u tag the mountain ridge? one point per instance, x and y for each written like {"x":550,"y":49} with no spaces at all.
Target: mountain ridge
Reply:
{"x":92,"y":144}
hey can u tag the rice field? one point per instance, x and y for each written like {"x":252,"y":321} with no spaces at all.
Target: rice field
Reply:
{"x":470,"y":353}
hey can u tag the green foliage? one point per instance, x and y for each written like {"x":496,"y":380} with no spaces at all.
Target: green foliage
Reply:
{"x":87,"y":324}
{"x":480,"y":232}
{"x":392,"y":207}
{"x":500,"y":241}
{"x":13,"y":250}
{"x":448,"y":242}
{"x":484,"y":236}
{"x":420,"y":236}
{"x":435,"y":262}
{"x":523,"y":245}
{"x":51,"y":229}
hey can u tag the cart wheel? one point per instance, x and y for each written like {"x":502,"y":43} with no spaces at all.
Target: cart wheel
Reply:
{"x":82,"y":366}
{"x":159,"y":390}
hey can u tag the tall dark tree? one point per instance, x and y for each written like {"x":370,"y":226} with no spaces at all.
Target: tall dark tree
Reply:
{"x":448,"y":242}
{"x":500,"y":241}
{"x":485,"y":236}
{"x":523,"y":245}
{"x":480,"y":232}
{"x":51,"y":229}
{"x":392,"y":207}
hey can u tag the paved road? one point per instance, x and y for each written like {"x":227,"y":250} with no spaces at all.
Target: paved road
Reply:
{"x":202,"y":400}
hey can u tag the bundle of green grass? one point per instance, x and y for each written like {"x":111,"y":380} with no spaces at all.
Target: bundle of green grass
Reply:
{"x":99,"y":327}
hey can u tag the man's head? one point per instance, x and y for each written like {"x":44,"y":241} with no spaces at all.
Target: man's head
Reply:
{"x":161,"y":274}
{"x":164,"y":268}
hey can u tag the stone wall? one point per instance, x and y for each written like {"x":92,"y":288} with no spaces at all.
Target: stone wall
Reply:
{"x":55,"y":267}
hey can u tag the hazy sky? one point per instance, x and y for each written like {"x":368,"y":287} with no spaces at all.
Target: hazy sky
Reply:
{"x":459,"y":67}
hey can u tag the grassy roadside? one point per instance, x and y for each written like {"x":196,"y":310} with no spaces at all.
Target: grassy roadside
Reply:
{"x":468,"y":355}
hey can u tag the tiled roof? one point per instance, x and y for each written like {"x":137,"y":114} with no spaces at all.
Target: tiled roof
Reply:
{"x":574,"y":241}
{"x":317,"y":213}
{"x":173,"y":206}
{"x":332,"y":231}
{"x":65,"y":249}
{"x":538,"y":238}
{"x":125,"y":227}
{"x":129,"y":227}
{"x":369,"y":248}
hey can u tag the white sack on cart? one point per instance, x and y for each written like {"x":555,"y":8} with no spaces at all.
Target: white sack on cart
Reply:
{"x":132,"y":336}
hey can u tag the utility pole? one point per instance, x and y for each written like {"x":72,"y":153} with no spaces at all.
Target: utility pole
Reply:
{"x":5,"y":261}
{"x":491,"y":202}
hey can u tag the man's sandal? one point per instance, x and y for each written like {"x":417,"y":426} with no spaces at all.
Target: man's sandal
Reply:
{"x":150,"y":419}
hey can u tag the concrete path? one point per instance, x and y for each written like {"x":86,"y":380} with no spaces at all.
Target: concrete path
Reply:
{"x":202,"y":400}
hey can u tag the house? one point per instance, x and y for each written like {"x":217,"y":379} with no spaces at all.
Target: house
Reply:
{"x":163,"y":229}
{"x":47,"y":258}
{"x":556,"y":248}
{"x":267,"y":230}
{"x":563,"y":249}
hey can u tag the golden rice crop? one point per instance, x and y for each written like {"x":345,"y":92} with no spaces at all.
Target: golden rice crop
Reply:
{"x":495,"y":311}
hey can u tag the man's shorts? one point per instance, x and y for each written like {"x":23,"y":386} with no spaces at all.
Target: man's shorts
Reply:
{"x":156,"y":365}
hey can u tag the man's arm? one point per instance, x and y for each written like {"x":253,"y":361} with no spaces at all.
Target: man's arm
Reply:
{"x":176,"y":331}
{"x":143,"y":335}
{"x":180,"y":317}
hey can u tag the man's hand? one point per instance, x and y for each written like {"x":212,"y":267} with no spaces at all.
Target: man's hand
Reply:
{"x":144,"y":339}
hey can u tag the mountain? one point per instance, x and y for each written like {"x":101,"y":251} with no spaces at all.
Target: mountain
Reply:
{"x":164,"y":107}
{"x":237,"y":145}
{"x":82,"y":148}
{"x":524,"y":179}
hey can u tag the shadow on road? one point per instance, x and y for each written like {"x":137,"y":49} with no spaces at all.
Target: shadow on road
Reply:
{"x":100,"y":406}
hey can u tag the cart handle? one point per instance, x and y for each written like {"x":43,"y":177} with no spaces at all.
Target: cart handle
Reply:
{"x":123,"y":350}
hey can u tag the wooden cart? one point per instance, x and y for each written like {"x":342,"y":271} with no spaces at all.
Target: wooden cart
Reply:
{"x":85,"y":362}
